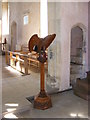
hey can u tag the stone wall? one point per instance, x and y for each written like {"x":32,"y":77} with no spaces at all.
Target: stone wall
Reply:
{"x":0,"y":11}
{"x":34,"y":24}
{"x":17,"y":10}
{"x":62,"y":18}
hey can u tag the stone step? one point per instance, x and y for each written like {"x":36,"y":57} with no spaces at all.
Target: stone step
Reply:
{"x":82,"y":84}
{"x":75,"y":69}
{"x":88,"y":76}
{"x":82,"y":75}
{"x":79,"y":52}
{"x":73,"y":77}
{"x":82,"y":87}
{"x":81,"y":94}
{"x":76,"y":59}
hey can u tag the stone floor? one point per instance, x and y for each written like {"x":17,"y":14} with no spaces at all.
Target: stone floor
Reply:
{"x":15,"y":89}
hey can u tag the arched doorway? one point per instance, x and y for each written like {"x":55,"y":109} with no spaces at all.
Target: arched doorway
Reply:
{"x":77,"y":57}
{"x":13,"y":36}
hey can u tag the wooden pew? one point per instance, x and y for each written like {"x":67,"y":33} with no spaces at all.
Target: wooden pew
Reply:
{"x":14,"y":58}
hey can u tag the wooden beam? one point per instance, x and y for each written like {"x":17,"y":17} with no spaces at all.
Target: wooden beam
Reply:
{"x":26,"y":65}
{"x":7,"y":57}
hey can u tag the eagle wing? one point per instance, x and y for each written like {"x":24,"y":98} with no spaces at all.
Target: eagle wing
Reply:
{"x":37,"y":44}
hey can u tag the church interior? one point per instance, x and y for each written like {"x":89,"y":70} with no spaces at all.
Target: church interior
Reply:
{"x":44,"y":40}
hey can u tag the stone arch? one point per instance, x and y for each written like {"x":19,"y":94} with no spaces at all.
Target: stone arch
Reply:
{"x":83,"y":27}
{"x":83,"y":63}
{"x":13,"y":35}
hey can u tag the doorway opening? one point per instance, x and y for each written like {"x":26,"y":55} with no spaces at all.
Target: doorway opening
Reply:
{"x":76,"y":55}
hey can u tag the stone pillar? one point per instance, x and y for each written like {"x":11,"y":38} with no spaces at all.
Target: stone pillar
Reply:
{"x":43,"y":18}
{"x":59,"y":52}
{"x":53,"y":77}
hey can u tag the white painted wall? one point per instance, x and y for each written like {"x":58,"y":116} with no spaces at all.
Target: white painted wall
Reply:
{"x":17,"y":11}
{"x":62,"y":17}
{"x":0,"y":10}
{"x":34,"y":26}
{"x":5,"y":25}
{"x":43,"y":18}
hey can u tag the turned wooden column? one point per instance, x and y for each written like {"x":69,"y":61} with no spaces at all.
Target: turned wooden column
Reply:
{"x":42,"y":75}
{"x":42,"y":100}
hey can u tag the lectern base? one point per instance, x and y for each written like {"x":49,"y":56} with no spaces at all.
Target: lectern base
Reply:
{"x":42,"y":101}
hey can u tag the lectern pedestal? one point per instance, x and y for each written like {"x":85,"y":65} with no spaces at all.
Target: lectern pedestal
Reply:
{"x":42,"y":100}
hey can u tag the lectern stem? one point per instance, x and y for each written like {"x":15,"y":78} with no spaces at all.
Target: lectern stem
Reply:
{"x":42,"y":77}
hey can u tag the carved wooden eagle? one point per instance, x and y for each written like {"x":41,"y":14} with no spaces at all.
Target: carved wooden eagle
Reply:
{"x":38,"y":44}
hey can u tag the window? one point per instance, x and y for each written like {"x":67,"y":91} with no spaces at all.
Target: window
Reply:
{"x":26,"y":19}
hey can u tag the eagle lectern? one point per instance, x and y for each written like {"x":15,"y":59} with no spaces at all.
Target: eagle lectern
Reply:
{"x":42,"y":100}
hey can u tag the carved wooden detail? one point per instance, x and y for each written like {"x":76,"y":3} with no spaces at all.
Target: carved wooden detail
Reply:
{"x":42,"y":100}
